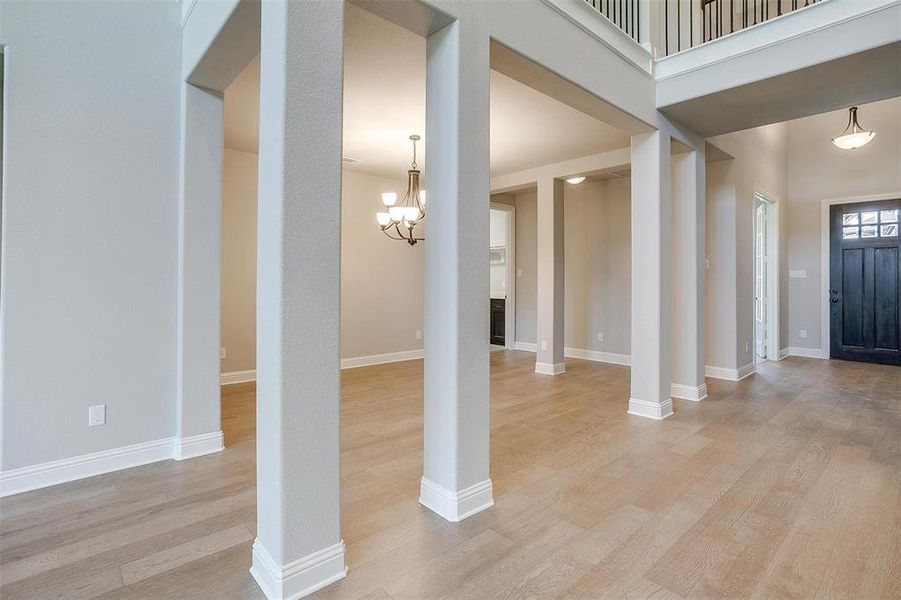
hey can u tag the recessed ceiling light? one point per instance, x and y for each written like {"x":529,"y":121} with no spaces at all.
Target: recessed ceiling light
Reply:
{"x":575,"y":180}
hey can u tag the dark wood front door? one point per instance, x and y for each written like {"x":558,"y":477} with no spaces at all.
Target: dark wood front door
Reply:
{"x":498,"y":321}
{"x":865,"y":282}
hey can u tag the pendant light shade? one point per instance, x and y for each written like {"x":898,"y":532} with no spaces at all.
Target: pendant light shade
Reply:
{"x":854,"y":136}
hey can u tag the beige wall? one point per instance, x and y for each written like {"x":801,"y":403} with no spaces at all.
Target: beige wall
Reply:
{"x":817,"y":170}
{"x":381,"y":279}
{"x":760,"y":158}
{"x":239,"y":260}
{"x":382,"y":284}
{"x":597,"y":264}
{"x":597,"y":226}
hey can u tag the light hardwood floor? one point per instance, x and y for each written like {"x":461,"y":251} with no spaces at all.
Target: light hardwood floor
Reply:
{"x":785,"y":485}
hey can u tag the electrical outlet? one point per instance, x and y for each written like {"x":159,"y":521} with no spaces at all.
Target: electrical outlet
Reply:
{"x":600,"y":336}
{"x":519,"y":272}
{"x":706,"y":263}
{"x":747,"y":346}
{"x":97,"y":415}
{"x":802,"y":334}
{"x":544,"y":345}
{"x":222,"y":353}
{"x":418,"y":334}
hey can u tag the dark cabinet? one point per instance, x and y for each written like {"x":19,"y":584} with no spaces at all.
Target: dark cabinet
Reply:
{"x":498,"y":321}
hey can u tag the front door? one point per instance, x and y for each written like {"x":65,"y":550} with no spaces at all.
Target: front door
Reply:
{"x":865,"y":282}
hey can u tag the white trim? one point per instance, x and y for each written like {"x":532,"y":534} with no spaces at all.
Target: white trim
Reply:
{"x":298,"y":578}
{"x":784,"y":352}
{"x":455,"y":506}
{"x":197,"y":445}
{"x":747,"y":370}
{"x":598,"y":356}
{"x":694,"y":393}
{"x":346,"y":363}
{"x":651,"y":410}
{"x":381,"y":359}
{"x":591,"y":21}
{"x":773,"y":275}
{"x":510,"y":301}
{"x":799,"y":23}
{"x":233,"y":377}
{"x":550,"y":368}
{"x":525,"y":346}
{"x":826,"y":203}
{"x":807,"y":352}
{"x":43,"y":475}
{"x":730,"y":374}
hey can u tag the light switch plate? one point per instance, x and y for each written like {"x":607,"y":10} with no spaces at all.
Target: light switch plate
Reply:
{"x":797,"y":274}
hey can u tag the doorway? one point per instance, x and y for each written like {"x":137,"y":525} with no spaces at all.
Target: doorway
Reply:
{"x":766,"y":276}
{"x":865,"y":282}
{"x":501,"y":268}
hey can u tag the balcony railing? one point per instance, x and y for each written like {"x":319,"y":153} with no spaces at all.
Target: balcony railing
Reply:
{"x":625,"y":14}
{"x":688,"y":23}
{"x":678,"y":25}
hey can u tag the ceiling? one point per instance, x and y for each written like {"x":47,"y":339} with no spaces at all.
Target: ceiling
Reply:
{"x":384,"y":102}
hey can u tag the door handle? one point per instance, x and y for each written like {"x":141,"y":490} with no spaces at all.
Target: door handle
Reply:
{"x":833,"y":299}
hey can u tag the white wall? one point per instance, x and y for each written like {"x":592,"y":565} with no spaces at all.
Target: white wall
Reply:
{"x":497,"y":237}
{"x":88,"y":293}
{"x":817,"y":170}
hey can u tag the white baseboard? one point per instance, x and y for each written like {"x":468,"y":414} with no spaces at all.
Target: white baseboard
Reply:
{"x":695,"y":393}
{"x":525,"y":346}
{"x":651,"y":410}
{"x":42,"y":475}
{"x":784,"y":352}
{"x":550,"y":368}
{"x":298,"y":578}
{"x":598,"y":356}
{"x":55,"y":472}
{"x":346,"y":363}
{"x":380,"y":359}
{"x":807,"y":352}
{"x":730,"y":374}
{"x":197,"y":445}
{"x":584,"y":354}
{"x":237,"y":377}
{"x":455,"y":506}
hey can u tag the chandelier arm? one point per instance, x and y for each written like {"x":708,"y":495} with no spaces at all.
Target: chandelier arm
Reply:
{"x":387,"y":229}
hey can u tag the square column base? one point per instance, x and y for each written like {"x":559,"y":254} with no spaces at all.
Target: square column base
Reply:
{"x":550,"y":368}
{"x":651,"y":410}
{"x":695,"y":393}
{"x":299,"y":578}
{"x":456,"y":506}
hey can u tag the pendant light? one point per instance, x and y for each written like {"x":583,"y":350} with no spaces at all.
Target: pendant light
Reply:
{"x":854,"y":136}
{"x":400,"y":219}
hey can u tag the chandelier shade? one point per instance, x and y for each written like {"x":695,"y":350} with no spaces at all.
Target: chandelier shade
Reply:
{"x":854,"y":136}
{"x":401,"y":218}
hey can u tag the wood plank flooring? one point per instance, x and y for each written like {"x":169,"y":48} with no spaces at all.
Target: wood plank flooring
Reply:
{"x":784,"y":485}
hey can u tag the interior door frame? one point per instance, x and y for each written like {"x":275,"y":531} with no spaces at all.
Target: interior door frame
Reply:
{"x":825,"y":254}
{"x":773,"y":262}
{"x":510,"y":303}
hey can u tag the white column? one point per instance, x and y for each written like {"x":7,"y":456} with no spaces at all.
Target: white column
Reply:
{"x":198,"y":429}
{"x":455,"y":482}
{"x":550,"y":277}
{"x":298,"y":548}
{"x":689,"y":217}
{"x":651,"y":278}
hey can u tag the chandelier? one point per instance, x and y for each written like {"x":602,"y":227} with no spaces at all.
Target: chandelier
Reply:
{"x":401,"y":219}
{"x":854,"y":136}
